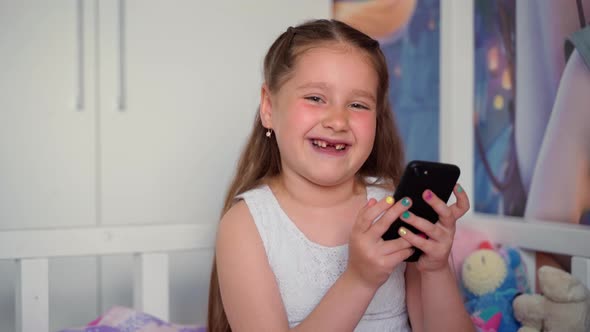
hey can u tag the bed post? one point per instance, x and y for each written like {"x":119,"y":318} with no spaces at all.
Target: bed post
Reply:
{"x":581,"y":269}
{"x":32,"y":295}
{"x":151,"y":284}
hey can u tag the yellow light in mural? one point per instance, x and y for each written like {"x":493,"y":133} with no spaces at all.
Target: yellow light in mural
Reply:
{"x":493,"y":60}
{"x":431,"y":24}
{"x":498,"y":102}
{"x":397,"y":71}
{"x":506,"y":82}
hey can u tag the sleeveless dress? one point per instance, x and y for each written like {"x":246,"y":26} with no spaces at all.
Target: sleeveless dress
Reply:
{"x":305,"y":270}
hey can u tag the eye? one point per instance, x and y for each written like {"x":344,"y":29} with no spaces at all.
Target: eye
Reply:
{"x":315,"y":99}
{"x":359,"y":106}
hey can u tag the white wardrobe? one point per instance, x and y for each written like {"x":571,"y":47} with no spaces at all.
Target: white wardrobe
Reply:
{"x":126,"y":112}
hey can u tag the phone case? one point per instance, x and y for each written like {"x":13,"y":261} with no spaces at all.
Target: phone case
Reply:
{"x":418,"y":176}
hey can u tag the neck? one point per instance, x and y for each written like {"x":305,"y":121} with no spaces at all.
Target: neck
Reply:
{"x":307,"y":193}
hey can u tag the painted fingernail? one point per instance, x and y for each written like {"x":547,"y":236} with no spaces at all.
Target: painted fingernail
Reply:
{"x":428,"y":195}
{"x":406,"y":215}
{"x":422,"y":235}
{"x":389,"y":200}
{"x":459,"y":188}
{"x":406,"y":201}
{"x":402,"y":231}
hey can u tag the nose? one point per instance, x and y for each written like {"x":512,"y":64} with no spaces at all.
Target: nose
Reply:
{"x":336,"y":119}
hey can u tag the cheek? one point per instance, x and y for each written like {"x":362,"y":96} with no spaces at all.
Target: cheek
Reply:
{"x":300,"y":115}
{"x":364,"y":124}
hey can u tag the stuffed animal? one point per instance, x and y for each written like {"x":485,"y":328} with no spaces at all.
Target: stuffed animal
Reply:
{"x":491,"y":279}
{"x":565,"y":305}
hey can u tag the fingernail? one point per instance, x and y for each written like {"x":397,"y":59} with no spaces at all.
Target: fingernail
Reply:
{"x":406,"y":201}
{"x":428,"y":195}
{"x":422,"y":235}
{"x":389,"y":200}
{"x":406,"y":215}
{"x":402,"y":231}
{"x":459,"y":188}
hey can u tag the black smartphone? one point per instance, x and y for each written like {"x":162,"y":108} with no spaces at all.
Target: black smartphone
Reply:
{"x":418,"y":176}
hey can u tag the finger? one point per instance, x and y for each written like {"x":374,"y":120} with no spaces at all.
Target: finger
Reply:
{"x":462,"y":205}
{"x":415,"y":240}
{"x":391,"y":246}
{"x":398,"y":256}
{"x":362,"y":224}
{"x":445,"y":214}
{"x":429,"y":229}
{"x":372,"y":210}
{"x":380,"y":226}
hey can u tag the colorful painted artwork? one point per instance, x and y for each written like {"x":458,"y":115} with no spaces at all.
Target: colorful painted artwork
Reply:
{"x":409,"y":34}
{"x":532,"y":113}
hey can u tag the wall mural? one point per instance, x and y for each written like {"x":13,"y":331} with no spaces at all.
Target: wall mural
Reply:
{"x":532,"y":109}
{"x":408,"y":32}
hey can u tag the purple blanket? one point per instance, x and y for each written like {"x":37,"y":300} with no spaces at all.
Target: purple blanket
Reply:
{"x":121,"y":319}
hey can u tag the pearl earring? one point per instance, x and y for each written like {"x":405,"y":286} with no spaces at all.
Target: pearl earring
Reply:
{"x":268,"y":132}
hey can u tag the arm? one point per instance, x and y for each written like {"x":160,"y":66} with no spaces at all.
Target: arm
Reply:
{"x":432,"y":295}
{"x":250,"y":293}
{"x":561,"y":176}
{"x":434,"y":301}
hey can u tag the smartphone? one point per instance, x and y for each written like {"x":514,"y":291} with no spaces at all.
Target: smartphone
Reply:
{"x":418,"y":176}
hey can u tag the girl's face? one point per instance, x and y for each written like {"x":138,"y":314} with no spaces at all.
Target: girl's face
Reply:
{"x":324,"y":116}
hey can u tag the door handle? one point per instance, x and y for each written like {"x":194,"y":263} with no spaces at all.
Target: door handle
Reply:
{"x":122,"y":98}
{"x":80,"y":55}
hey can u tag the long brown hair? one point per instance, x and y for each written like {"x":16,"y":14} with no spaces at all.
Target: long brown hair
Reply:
{"x":261,"y":158}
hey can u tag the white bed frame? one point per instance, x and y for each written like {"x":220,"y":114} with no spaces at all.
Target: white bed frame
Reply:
{"x":150,"y":246}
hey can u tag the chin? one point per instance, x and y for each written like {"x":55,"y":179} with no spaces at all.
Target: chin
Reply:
{"x":329,"y":179}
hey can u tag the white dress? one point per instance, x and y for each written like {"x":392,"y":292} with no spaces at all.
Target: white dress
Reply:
{"x":305,"y":270}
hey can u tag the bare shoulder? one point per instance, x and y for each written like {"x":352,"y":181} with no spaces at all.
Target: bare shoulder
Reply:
{"x":236,"y":214}
{"x":236,"y":224}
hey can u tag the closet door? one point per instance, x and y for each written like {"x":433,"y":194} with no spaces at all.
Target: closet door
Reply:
{"x":47,"y":114}
{"x":180,"y":84}
{"x":47,"y":142}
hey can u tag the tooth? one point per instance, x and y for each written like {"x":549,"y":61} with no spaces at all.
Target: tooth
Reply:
{"x":324,"y":144}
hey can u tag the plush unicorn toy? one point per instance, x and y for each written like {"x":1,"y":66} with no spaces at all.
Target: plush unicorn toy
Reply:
{"x":491,"y":279}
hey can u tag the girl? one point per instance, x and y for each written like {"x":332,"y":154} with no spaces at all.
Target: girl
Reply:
{"x":299,"y":244}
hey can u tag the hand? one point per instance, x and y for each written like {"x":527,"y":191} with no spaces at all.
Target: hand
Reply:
{"x":371,"y":259}
{"x":439,"y":236}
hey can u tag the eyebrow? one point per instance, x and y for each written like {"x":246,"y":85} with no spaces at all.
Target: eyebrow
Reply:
{"x":325,"y":86}
{"x":321,"y":85}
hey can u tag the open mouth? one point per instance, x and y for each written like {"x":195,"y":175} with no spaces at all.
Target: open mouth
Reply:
{"x":325,"y":145}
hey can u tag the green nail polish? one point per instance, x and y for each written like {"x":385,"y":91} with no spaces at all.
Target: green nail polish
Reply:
{"x":459,"y":189}
{"x":406,"y":201}
{"x":406,"y":215}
